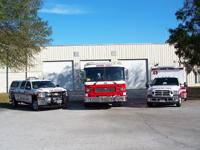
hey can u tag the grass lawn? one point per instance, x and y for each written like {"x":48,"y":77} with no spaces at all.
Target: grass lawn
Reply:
{"x":4,"y":100}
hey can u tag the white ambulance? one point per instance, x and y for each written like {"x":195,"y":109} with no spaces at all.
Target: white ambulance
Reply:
{"x":168,"y":86}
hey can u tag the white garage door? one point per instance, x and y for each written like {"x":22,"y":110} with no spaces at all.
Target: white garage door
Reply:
{"x":60,"y":73}
{"x":137,"y":74}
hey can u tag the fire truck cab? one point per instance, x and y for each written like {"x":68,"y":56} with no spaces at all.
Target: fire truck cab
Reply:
{"x":104,"y":83}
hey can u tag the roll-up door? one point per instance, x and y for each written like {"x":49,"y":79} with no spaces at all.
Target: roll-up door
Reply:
{"x":59,"y":72}
{"x":137,"y":73}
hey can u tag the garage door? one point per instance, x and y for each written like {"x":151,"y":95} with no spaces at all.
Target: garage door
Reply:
{"x":137,"y":73}
{"x":60,"y":73}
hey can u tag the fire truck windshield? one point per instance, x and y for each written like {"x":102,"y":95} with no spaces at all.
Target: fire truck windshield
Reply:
{"x":104,"y":74}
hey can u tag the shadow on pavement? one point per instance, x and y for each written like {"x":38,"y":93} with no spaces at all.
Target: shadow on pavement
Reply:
{"x":79,"y":105}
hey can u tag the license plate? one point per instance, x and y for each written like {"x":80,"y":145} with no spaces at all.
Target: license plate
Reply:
{"x":162,"y":100}
{"x":59,"y":101}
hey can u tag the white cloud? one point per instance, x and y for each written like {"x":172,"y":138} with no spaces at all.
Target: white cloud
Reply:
{"x":64,"y":10}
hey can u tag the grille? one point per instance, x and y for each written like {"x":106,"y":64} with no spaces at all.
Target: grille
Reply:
{"x":56,"y":94}
{"x":162,"y":93}
{"x":100,"y":90}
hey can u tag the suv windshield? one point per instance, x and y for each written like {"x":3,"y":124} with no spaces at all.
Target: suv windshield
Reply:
{"x":165,"y":81}
{"x":105,"y":74}
{"x":42,"y":84}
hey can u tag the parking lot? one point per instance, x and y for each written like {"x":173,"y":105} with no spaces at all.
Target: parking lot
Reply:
{"x":112,"y":128}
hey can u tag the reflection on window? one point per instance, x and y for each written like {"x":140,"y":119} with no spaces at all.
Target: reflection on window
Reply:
{"x":165,"y":81}
{"x":43,"y":84}
{"x":105,"y":74}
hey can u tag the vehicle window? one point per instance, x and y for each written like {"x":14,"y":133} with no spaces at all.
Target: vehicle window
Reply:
{"x":28,"y":86}
{"x":165,"y":81}
{"x":15,"y":84}
{"x":23,"y":85}
{"x":42,"y":84}
{"x":104,"y":74}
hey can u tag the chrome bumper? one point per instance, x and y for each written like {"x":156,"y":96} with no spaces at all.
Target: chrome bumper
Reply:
{"x":105,"y":99}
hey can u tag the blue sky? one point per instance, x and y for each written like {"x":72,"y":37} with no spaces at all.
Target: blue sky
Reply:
{"x":110,"y":21}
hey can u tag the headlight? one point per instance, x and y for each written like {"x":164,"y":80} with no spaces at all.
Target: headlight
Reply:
{"x":65,"y":93}
{"x":150,"y":92}
{"x":42,"y":94}
{"x":176,"y":92}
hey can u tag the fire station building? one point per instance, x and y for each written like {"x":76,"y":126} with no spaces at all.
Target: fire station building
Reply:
{"x":63,"y":64}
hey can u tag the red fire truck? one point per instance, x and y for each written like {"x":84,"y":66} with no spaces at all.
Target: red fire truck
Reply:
{"x":104,"y":83}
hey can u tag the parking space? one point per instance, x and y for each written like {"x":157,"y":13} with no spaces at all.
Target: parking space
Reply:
{"x":102,"y":127}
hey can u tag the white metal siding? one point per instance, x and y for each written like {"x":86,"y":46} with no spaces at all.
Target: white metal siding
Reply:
{"x":161,"y":54}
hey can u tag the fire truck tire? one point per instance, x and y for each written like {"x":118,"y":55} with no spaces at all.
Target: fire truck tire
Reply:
{"x":118,"y":104}
{"x":149,"y":104}
{"x":87,"y":105}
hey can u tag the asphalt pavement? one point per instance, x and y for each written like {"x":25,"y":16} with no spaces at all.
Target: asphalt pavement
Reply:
{"x":133,"y":127}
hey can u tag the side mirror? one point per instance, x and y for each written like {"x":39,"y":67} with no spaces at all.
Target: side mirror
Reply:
{"x":148,"y":85}
{"x":185,"y":84}
{"x":57,"y":85}
{"x":82,"y":75}
{"x":126,"y":74}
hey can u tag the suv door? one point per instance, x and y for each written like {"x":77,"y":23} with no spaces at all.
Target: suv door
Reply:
{"x":27,"y":92}
{"x":13,"y":88}
{"x":22,"y":92}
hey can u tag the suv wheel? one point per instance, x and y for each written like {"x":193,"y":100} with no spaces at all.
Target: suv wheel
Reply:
{"x":35,"y":105}
{"x":14,"y":103}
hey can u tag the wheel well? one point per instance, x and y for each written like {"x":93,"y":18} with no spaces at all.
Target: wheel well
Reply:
{"x":34,"y":98}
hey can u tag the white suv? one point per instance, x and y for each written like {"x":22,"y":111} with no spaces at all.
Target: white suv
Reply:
{"x":38,"y":93}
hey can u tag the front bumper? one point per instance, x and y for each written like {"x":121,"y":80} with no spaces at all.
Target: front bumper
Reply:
{"x":105,"y":99}
{"x":48,"y":101}
{"x":173,"y":99}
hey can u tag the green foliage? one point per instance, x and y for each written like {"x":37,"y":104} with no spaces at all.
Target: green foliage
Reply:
{"x":22,"y":32}
{"x":186,"y":37}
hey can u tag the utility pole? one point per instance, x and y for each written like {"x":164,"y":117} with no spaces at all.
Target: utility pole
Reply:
{"x":7,"y":80}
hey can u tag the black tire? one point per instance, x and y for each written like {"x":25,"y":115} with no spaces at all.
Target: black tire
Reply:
{"x":35,"y":105}
{"x":178,"y":104}
{"x":14,"y":102}
{"x":118,"y":104}
{"x":149,"y":104}
{"x":64,"y":103}
{"x":87,"y":105}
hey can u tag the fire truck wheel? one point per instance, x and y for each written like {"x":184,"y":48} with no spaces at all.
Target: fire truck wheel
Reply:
{"x":87,"y":105}
{"x":178,"y":104}
{"x":118,"y":104}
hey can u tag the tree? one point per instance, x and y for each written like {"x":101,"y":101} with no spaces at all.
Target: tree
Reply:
{"x":186,"y":37}
{"x":22,"y":32}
